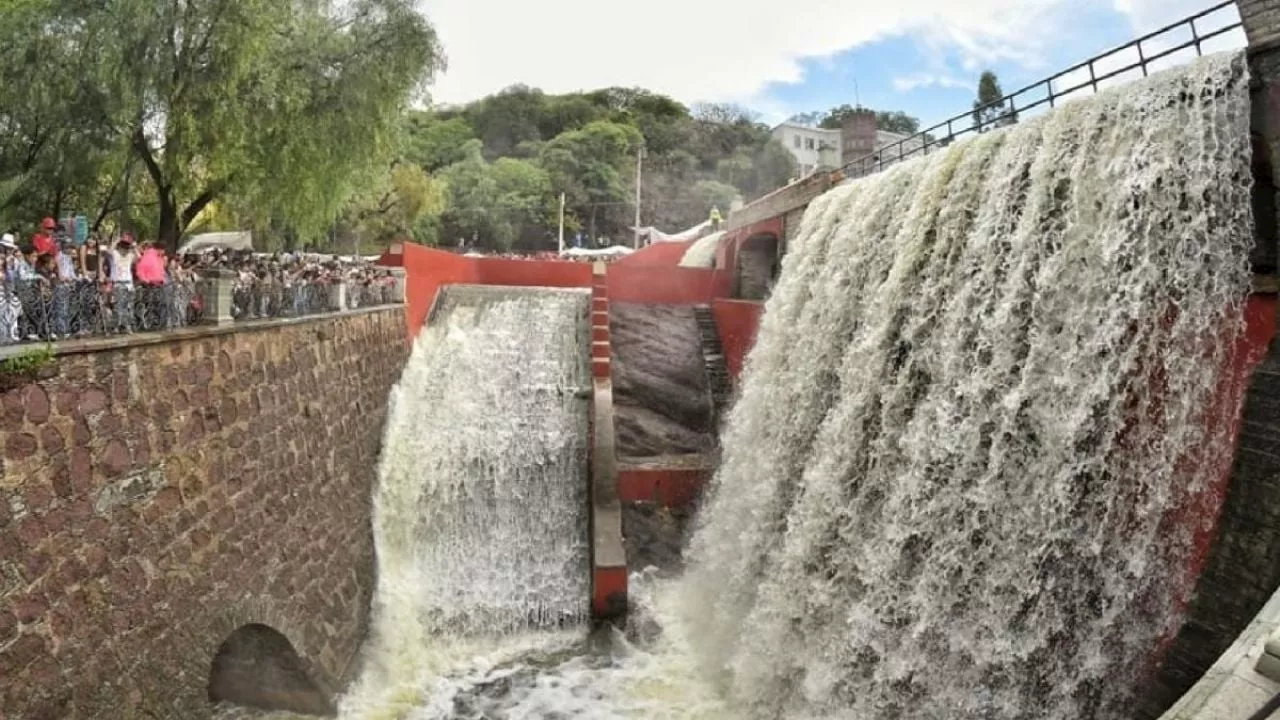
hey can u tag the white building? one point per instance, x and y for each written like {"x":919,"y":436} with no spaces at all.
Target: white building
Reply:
{"x":806,"y":145}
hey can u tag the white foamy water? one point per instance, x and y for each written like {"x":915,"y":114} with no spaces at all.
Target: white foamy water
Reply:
{"x":977,"y":392}
{"x":976,"y":399}
{"x":480,"y":520}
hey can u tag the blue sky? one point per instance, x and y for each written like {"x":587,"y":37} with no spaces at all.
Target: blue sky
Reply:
{"x":920,"y":56}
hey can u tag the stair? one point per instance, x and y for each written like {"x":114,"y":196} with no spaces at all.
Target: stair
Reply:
{"x":713,"y":358}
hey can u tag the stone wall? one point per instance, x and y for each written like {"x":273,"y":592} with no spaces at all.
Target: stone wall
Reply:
{"x":155,"y":498}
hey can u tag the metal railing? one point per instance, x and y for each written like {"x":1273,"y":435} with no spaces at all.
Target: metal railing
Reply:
{"x":265,"y":299}
{"x":44,"y":310}
{"x":945,"y":132}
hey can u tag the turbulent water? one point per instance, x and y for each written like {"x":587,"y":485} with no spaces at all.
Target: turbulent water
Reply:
{"x":976,"y":399}
{"x":479,"y":510}
{"x":951,"y":487}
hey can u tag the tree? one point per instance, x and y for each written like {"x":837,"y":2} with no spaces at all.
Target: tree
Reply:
{"x":894,"y":121}
{"x":989,"y":109}
{"x":404,"y":201}
{"x":724,"y":114}
{"x":56,"y":136}
{"x":276,"y":101}
{"x":495,"y":205}
{"x":591,"y":167}
{"x":710,"y":193}
{"x":434,"y":142}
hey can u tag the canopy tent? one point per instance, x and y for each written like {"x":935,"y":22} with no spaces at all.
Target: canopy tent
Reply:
{"x":654,"y":235}
{"x":613,"y":251}
{"x":217,"y":241}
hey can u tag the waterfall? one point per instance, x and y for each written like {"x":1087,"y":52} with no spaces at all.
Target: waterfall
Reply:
{"x":952,"y":481}
{"x":479,"y":513}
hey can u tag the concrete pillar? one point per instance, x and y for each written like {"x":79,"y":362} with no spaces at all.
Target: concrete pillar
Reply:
{"x":1261,"y":19}
{"x":215,"y":288}
{"x":1261,"y":23}
{"x":398,"y":286}
{"x":337,"y":297}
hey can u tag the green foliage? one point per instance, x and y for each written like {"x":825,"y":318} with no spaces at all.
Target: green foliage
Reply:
{"x":434,"y":142}
{"x":894,"y":121}
{"x":401,"y":202}
{"x":495,"y":205}
{"x":136,"y":108}
{"x":26,"y":364}
{"x":715,"y":194}
{"x":989,"y":110}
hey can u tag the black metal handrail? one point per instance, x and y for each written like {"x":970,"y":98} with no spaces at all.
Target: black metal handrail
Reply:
{"x":934,"y":136}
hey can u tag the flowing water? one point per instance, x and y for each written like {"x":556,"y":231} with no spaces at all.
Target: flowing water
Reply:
{"x":951,"y":486}
{"x":974,"y":413}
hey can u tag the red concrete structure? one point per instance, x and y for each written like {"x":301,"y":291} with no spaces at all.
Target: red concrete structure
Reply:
{"x":737,"y":322}
{"x":667,"y":487}
{"x":667,"y":254}
{"x":427,"y":269}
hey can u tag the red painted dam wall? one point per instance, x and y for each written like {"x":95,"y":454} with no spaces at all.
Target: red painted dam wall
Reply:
{"x":737,"y":322}
{"x":427,"y":269}
{"x":1249,"y":351}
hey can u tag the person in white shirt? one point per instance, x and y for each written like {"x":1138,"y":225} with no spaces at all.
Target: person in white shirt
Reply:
{"x":120,"y":261}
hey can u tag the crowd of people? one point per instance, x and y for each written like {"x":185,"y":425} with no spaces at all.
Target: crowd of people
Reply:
{"x":54,"y":288}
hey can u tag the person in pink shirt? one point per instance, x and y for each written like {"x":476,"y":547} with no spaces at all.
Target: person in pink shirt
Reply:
{"x":150,"y":267}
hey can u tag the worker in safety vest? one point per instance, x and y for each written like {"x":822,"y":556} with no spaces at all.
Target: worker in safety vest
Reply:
{"x":715,"y":218}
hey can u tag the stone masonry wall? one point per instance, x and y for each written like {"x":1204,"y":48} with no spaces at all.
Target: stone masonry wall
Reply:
{"x":155,"y":498}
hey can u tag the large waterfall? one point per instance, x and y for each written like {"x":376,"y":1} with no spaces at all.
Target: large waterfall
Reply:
{"x":479,"y":513}
{"x":959,"y":483}
{"x":974,"y":410}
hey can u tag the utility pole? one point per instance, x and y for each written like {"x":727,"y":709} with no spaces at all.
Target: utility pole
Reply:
{"x":639,"y":177}
{"x":561,"y":223}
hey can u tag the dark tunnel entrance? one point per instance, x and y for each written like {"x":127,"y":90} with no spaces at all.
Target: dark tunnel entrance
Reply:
{"x":257,"y":667}
{"x":758,"y":267}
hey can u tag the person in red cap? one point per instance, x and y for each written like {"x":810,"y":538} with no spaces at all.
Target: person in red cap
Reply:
{"x":43,"y":241}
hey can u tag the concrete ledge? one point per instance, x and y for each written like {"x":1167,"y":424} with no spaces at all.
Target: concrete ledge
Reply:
{"x":1236,"y":686}
{"x":94,"y":344}
{"x":779,"y":202}
{"x":608,"y":555}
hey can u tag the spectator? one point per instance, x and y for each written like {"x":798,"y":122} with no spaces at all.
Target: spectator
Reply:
{"x":43,"y":241}
{"x":120,"y":262}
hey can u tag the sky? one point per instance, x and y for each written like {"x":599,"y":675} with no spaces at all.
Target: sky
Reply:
{"x":782,"y":58}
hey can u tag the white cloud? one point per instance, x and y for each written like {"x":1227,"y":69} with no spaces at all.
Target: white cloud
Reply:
{"x":1149,"y":15}
{"x":907,"y":83}
{"x":717,"y":50}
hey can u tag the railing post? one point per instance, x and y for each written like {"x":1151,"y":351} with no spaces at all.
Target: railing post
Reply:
{"x":337,"y":300}
{"x":216,"y":288}
{"x":398,"y":285}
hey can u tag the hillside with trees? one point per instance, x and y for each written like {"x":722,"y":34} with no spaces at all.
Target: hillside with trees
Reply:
{"x":492,"y":172}
{"x":310,"y":124}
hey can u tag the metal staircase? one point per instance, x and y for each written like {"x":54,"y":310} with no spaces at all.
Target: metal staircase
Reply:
{"x":713,"y":358}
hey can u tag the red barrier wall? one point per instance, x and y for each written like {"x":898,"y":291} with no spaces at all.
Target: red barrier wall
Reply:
{"x":667,"y":254}
{"x":667,"y":487}
{"x":737,"y":321}
{"x":531,"y":273}
{"x":427,"y":269}
{"x":1249,"y":351}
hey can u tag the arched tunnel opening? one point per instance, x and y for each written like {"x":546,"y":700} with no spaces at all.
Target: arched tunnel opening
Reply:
{"x":758,"y":266}
{"x":257,"y":666}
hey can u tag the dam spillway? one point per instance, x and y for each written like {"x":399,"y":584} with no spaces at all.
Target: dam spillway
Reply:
{"x":950,"y":488}
{"x":978,"y":397}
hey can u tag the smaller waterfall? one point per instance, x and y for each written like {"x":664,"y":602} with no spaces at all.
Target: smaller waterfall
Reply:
{"x":480,"y":511}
